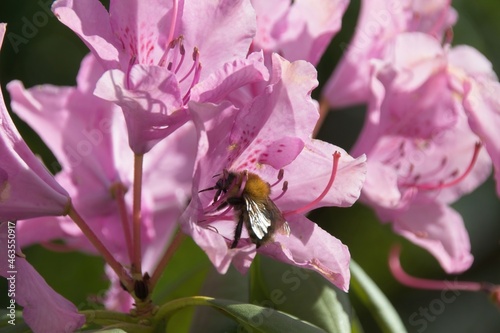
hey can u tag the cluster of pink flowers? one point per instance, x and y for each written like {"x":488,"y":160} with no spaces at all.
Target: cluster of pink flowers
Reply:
{"x":430,"y":110}
{"x":174,"y":93}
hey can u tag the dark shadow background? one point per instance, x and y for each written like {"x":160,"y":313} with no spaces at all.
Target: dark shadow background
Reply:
{"x":38,"y":49}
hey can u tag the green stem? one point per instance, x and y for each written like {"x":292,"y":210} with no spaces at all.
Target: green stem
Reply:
{"x":99,"y":316}
{"x":376,"y":302}
{"x":167,"y":309}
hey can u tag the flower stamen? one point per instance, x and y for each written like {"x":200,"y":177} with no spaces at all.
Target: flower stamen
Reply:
{"x":283,"y":190}
{"x":442,"y":185}
{"x":311,"y":205}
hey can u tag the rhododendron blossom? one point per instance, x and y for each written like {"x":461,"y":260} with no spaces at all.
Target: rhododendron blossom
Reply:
{"x":297,"y":30}
{"x":273,"y":133}
{"x":28,"y":190}
{"x":156,"y":53}
{"x":187,"y":148}
{"x":96,"y":163}
{"x":423,"y":155}
{"x":381,"y":21}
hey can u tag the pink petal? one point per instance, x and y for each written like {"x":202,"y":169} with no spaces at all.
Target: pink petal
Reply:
{"x":143,"y":27}
{"x":44,"y":309}
{"x":317,"y":159}
{"x":221,"y":30}
{"x":232,"y":76}
{"x":310,"y":26}
{"x":483,"y":111}
{"x":284,"y":110}
{"x":380,"y":21}
{"x":27,"y":189}
{"x":471,"y":61}
{"x":90,"y":21}
{"x":311,"y":247}
{"x":151,"y":101}
{"x":439,"y":229}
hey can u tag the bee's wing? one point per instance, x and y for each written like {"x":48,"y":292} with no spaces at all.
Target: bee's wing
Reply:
{"x":258,"y":217}
{"x":262,"y":215}
{"x":281,"y":225}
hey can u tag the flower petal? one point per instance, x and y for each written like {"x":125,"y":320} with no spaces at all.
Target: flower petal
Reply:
{"x":439,"y":229}
{"x":39,"y":300}
{"x":222,"y":30}
{"x":311,"y":247}
{"x":90,"y":20}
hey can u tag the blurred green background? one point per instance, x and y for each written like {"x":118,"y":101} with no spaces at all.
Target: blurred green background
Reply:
{"x":48,"y":52}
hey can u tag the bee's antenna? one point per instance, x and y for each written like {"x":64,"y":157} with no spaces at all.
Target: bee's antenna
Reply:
{"x":207,"y":189}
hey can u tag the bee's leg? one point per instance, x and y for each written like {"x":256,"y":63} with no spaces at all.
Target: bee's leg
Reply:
{"x":217,"y":196}
{"x":237,"y":232}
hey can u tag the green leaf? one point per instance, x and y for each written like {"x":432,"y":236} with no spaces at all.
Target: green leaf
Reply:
{"x":231,"y":285}
{"x":107,"y":330}
{"x":251,"y":317}
{"x":260,"y":319}
{"x":302,"y":293}
{"x":375,"y":300}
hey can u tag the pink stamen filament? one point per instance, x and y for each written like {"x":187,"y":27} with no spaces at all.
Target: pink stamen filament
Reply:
{"x":129,"y":70}
{"x":195,"y":62}
{"x":281,"y":173}
{"x":413,"y":282}
{"x":173,"y":23}
{"x":455,"y":181}
{"x":119,"y":194}
{"x":308,"y":207}
{"x":182,"y":51}
{"x":101,"y":248}
{"x":283,"y":191}
{"x":169,"y":253}
{"x":176,"y":54}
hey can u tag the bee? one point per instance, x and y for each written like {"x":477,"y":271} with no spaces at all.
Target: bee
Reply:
{"x":248,"y":195}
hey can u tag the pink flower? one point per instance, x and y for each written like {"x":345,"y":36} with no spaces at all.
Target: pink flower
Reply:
{"x":380,"y":21}
{"x":27,"y":189}
{"x":297,"y":30}
{"x":154,"y":51}
{"x":481,"y":88}
{"x":422,"y":153}
{"x":29,"y":289}
{"x":85,"y":133}
{"x":269,"y":133}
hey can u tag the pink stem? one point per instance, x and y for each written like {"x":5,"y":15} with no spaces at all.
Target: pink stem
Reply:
{"x":410,"y":281}
{"x":136,"y":215}
{"x":108,"y":257}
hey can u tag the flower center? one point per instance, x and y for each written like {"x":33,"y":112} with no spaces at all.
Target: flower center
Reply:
{"x":174,"y":57}
{"x":418,"y":180}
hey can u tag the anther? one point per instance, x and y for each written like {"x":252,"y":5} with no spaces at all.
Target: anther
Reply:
{"x":281,"y":173}
{"x":283,"y":190}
